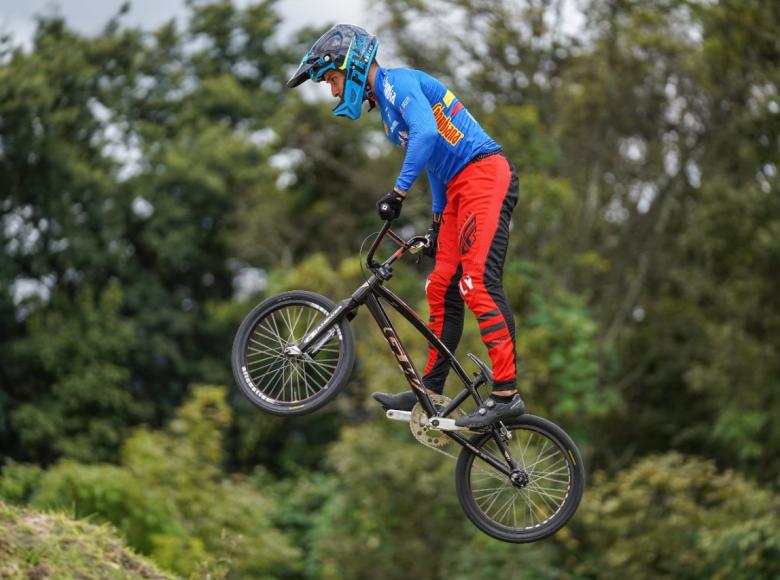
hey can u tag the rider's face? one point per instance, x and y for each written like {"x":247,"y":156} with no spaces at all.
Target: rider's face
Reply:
{"x":336,"y":81}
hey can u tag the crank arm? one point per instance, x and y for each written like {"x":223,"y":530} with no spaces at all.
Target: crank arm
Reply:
{"x":396,"y":415}
{"x":445,"y":424}
{"x":439,"y":423}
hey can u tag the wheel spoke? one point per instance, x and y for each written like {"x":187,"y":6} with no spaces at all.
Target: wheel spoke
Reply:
{"x":552,"y":454}
{"x":268,"y":352}
{"x":286,"y":317}
{"x":306,"y":383}
{"x":266,"y":331}
{"x":495,"y":496}
{"x":534,"y":505}
{"x":297,"y":320}
{"x":261,"y":370}
{"x":320,"y":368}
{"x":278,"y":332}
{"x":545,"y":477}
{"x":276,"y":378}
{"x":490,"y":492}
{"x":260,"y":361}
{"x":270,"y":328}
{"x":310,"y":322}
{"x":549,"y":499}
{"x":322,"y":373}
{"x":504,"y":510}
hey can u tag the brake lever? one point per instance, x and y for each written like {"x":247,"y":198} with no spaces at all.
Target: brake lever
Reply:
{"x":420,"y":244}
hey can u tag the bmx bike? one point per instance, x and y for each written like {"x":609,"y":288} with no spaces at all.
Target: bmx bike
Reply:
{"x":518,"y":480}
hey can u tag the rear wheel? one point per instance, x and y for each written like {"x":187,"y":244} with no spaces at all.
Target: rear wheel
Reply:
{"x":546,"y":491}
{"x":270,"y":369}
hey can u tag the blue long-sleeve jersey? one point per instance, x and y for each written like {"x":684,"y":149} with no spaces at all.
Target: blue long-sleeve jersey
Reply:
{"x":422,"y":116}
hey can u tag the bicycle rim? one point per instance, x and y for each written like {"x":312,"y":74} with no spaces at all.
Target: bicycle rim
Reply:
{"x":282,"y":377}
{"x":538,"y":507}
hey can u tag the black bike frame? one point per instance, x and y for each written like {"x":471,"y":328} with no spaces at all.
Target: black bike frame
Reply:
{"x":369,"y":294}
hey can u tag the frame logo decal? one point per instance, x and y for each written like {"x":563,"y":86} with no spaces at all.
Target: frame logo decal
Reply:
{"x":403,"y":360}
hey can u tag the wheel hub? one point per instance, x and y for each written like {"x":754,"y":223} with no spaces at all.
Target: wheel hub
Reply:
{"x":293,"y":351}
{"x":519,"y":478}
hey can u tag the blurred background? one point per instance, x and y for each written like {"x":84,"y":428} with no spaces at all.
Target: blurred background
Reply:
{"x":157,"y":180}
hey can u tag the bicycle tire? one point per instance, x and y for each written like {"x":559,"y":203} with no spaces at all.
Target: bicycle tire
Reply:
{"x":272,"y":379}
{"x":542,"y":449}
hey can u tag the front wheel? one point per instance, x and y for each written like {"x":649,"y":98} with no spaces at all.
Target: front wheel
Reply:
{"x":547,"y":490}
{"x":273,"y":373}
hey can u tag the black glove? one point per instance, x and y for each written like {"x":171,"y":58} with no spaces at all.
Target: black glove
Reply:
{"x":433,"y":236}
{"x":389,"y":206}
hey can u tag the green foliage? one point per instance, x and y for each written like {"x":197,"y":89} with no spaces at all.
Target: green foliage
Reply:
{"x":674,"y":516}
{"x":562,"y":373}
{"x":114,"y":494}
{"x":80,"y":348}
{"x":525,"y":140}
{"x":389,"y":510}
{"x":19,"y":482}
{"x":558,"y":349}
{"x":390,"y":488}
{"x":125,"y":159}
{"x":170,"y":498}
{"x":301,"y":497}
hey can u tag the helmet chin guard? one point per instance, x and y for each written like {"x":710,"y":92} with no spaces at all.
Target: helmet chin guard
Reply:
{"x":350,"y":50}
{"x":359,"y":58}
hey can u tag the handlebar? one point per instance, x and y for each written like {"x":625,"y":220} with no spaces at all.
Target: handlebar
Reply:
{"x":413,"y":245}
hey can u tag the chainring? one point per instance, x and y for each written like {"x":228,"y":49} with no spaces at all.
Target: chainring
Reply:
{"x":423,"y":431}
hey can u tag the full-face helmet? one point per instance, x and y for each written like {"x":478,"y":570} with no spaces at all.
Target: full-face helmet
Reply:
{"x":348,"y":49}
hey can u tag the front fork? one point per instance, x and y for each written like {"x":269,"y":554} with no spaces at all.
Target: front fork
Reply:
{"x":313,"y":342}
{"x":317,"y":338}
{"x":315,"y":349}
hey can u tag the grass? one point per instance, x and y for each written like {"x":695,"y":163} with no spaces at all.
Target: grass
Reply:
{"x":36,"y":545}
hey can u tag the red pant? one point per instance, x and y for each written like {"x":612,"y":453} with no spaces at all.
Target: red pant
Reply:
{"x":469,"y":267}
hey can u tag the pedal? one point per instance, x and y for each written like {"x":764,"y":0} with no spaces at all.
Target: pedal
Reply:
{"x":397,"y":415}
